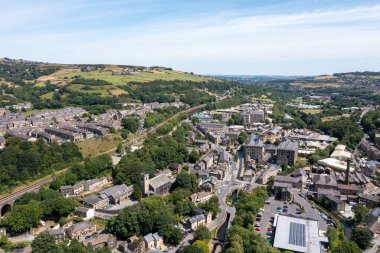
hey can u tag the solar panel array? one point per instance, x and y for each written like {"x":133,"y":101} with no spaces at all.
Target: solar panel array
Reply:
{"x":297,"y":235}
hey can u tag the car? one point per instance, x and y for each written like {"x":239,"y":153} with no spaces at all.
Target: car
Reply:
{"x":257,"y":229}
{"x":259,"y":215}
{"x":257,"y":224}
{"x":298,"y":212}
{"x":268,"y":233}
{"x":313,"y":206}
{"x":285,"y":202}
{"x":258,"y":219}
{"x":267,"y":202}
{"x":285,"y":210}
{"x":269,"y":239}
{"x":269,"y":229}
{"x":285,"y":206}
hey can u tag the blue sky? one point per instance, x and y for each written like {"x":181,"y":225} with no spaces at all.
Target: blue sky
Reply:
{"x":299,"y":37}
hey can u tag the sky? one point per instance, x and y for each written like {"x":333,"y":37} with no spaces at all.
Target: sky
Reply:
{"x":241,"y":37}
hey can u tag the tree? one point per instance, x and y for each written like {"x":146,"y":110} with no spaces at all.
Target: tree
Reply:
{"x":362,"y":237}
{"x":202,"y":233}
{"x":171,"y":234}
{"x":202,"y":246}
{"x":191,"y":249}
{"x":186,"y":181}
{"x":345,"y":246}
{"x":131,"y":124}
{"x":242,"y":137}
{"x":137,"y":194}
{"x":44,"y":243}
{"x":361,"y":213}
{"x":194,"y":156}
{"x":23,"y":217}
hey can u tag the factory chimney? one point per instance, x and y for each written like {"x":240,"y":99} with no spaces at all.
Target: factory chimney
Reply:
{"x":348,"y":171}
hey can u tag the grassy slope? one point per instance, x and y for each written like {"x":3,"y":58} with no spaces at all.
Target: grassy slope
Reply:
{"x":139,"y":77}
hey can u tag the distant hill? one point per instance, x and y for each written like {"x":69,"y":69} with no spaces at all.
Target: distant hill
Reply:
{"x":255,"y":78}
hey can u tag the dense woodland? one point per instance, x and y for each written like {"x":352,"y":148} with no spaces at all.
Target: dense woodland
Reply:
{"x":21,"y":161}
{"x":241,"y":237}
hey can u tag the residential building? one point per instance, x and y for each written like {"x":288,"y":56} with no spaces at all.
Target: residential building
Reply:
{"x":268,"y":173}
{"x":253,"y":149}
{"x":84,"y":212}
{"x":201,"y":197}
{"x":58,"y":234}
{"x":94,"y":184}
{"x":81,"y":229}
{"x":153,"y":241}
{"x":370,"y":201}
{"x":70,"y":190}
{"x":294,"y":182}
{"x":287,"y":153}
{"x":101,"y":241}
{"x":208,"y":160}
{"x":282,"y":191}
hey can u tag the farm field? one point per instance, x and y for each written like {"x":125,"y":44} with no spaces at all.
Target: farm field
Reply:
{"x":311,"y":111}
{"x":139,"y":77}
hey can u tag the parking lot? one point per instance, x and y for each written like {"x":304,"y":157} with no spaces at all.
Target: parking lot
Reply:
{"x":280,"y":207}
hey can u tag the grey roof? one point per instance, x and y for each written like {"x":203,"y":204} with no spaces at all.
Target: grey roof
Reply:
{"x":149,"y":237}
{"x":324,"y":180}
{"x":286,"y":179}
{"x":58,"y":231}
{"x":117,"y":191}
{"x":288,"y":145}
{"x":93,"y":199}
{"x":254,"y":140}
{"x":157,"y":236}
{"x":93,"y":181}
{"x":81,"y":226}
{"x":82,"y":209}
{"x":375,"y":212}
{"x":159,"y":181}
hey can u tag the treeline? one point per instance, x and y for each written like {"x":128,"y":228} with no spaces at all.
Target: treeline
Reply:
{"x":91,"y":82}
{"x":227,"y":103}
{"x":159,"y":115}
{"x":22,"y":161}
{"x":241,"y":238}
{"x":18,"y":72}
{"x":167,"y":91}
{"x":156,"y":154}
{"x":31,"y":208}
{"x":93,"y":167}
{"x":93,"y":102}
{"x":371,"y":123}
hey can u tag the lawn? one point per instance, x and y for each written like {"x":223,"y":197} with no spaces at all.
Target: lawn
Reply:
{"x":95,"y":146}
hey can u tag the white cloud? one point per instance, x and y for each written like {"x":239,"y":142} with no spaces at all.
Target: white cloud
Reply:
{"x":223,"y":44}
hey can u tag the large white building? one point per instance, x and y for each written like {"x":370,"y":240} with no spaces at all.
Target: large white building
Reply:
{"x":298,"y":235}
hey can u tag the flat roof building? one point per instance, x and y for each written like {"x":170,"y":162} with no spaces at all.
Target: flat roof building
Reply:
{"x":298,"y":235}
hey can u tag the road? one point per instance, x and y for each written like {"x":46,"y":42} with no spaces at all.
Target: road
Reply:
{"x":354,"y":154}
{"x":225,"y":187}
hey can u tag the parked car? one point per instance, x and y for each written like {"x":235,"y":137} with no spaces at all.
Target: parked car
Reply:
{"x":257,"y":224}
{"x":267,"y":202}
{"x":257,"y":229}
{"x":269,"y":229}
